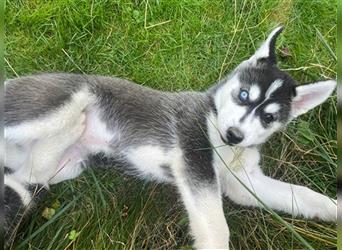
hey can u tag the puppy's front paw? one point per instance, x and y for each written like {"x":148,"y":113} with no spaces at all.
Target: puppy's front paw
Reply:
{"x":331,"y":211}
{"x":326,"y":209}
{"x":316,"y":205}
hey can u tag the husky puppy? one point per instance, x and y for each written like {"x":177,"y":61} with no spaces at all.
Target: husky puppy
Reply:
{"x":55,"y":122}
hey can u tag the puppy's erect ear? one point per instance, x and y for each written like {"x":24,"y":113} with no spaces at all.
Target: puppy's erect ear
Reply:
{"x":266,"y":52}
{"x":310,"y":95}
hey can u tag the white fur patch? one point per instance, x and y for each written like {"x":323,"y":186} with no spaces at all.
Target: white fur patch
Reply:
{"x":97,"y":136}
{"x":207,"y":221}
{"x":16,"y":155}
{"x":149,"y":161}
{"x":42,"y":142}
{"x":220,"y":149}
{"x":254,"y":93}
{"x":229,"y":113}
{"x":272,"y":108}
{"x":223,"y":95}
{"x":273,"y":87}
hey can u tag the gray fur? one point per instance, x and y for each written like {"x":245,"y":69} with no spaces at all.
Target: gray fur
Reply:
{"x":30,"y":97}
{"x":143,"y":115}
{"x":153,"y":117}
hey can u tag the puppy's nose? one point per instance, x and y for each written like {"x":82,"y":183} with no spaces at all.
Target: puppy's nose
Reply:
{"x":234,"y":135}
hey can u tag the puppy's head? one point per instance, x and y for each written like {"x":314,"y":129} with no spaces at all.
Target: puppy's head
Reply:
{"x":257,"y":98}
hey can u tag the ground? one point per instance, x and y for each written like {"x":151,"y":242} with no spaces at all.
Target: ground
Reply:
{"x":176,"y":45}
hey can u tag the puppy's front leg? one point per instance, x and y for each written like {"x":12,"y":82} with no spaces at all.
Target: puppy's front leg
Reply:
{"x":207,"y":222}
{"x":293,"y":199}
{"x":198,"y":185}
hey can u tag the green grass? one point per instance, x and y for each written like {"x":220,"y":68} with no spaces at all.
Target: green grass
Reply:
{"x":177,"y":45}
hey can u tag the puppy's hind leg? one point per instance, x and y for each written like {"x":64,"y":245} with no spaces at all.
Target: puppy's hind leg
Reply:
{"x":71,"y":165}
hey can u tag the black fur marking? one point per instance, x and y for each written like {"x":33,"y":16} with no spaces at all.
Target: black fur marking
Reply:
{"x":110,"y":161}
{"x":197,"y":152}
{"x":264,"y":76}
{"x":7,"y":170}
{"x":271,"y":59}
{"x":13,"y":212}
{"x":212,"y":105}
{"x":167,"y":170}
{"x":139,"y":107}
{"x":38,"y":192}
{"x":105,"y":161}
{"x":248,"y":111}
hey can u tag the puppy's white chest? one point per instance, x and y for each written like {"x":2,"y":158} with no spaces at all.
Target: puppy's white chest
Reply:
{"x":152,"y":161}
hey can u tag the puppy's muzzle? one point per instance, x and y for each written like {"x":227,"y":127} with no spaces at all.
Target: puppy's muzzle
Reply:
{"x":234,"y":136}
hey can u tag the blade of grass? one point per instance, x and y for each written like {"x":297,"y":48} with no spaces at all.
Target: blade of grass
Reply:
{"x":326,"y":45}
{"x":46,"y":224}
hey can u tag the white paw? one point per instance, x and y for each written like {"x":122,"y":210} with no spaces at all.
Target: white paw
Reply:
{"x":331,"y":211}
{"x":324,"y":208}
{"x":315,"y":205}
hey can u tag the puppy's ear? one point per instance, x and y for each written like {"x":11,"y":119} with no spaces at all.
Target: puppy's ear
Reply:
{"x":310,"y":95}
{"x":266,"y":53}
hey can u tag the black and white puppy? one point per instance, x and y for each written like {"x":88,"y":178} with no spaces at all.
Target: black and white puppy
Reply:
{"x":54,"y":122}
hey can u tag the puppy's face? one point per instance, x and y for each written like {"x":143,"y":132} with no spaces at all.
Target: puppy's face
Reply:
{"x":258,"y":98}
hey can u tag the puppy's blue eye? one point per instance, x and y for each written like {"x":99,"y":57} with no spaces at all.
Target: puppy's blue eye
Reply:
{"x":243,"y":95}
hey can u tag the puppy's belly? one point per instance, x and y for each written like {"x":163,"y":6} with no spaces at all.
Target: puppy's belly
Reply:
{"x":16,"y":155}
{"x":87,"y":144}
{"x":95,"y":139}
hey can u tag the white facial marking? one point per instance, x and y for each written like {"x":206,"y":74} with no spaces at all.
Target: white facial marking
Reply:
{"x":274,"y":86}
{"x":230,"y":113}
{"x":272,"y":108}
{"x":258,"y":134}
{"x":254,"y":93}
{"x":223,"y":95}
